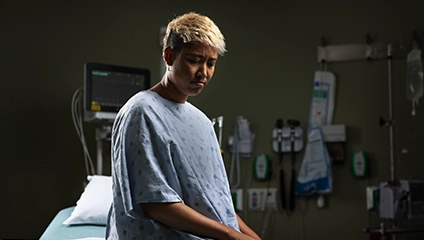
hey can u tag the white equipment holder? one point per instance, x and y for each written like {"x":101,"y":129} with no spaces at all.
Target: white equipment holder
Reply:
{"x":286,"y":143}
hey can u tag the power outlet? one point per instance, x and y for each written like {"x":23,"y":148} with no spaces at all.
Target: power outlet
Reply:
{"x":271,"y":198}
{"x":255,"y":199}
{"x":261,"y":198}
{"x":237,"y":195}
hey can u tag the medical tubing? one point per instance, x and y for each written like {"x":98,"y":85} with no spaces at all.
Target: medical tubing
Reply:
{"x":87,"y":158}
{"x":78,"y":123}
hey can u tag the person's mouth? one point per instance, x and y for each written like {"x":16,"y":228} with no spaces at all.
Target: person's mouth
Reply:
{"x":199,"y":83}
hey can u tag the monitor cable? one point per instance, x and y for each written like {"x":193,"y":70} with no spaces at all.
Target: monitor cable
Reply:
{"x":78,"y":123}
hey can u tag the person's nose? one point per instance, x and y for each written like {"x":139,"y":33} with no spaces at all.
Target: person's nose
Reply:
{"x":203,"y":71}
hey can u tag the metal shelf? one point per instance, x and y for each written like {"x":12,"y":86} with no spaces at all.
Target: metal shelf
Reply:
{"x":393,"y":230}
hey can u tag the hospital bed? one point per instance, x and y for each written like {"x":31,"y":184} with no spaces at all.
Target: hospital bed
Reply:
{"x":87,"y":219}
{"x":57,"y":230}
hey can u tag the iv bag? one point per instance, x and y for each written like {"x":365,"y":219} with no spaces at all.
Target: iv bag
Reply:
{"x":414,"y":78}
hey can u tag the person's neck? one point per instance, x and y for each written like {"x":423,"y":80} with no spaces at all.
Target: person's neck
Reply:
{"x":167,"y":90}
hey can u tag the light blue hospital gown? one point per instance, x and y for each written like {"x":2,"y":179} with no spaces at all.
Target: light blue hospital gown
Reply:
{"x":164,"y":151}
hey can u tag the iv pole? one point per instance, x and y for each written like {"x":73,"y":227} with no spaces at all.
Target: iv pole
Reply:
{"x":368,"y":51}
{"x":335,"y":53}
{"x":391,"y":121}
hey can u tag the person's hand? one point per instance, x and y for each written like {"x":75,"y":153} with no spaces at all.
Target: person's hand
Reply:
{"x":180,"y":216}
{"x":235,"y":235}
{"x":246,"y":229}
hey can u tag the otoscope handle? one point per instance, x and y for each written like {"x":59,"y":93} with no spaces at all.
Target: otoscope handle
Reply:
{"x":293,"y":122}
{"x":282,"y":190}
{"x":292,"y":185}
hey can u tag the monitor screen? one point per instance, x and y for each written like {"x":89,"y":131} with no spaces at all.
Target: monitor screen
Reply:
{"x":108,"y":87}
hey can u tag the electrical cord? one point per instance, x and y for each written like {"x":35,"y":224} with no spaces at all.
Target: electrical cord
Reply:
{"x":302,"y":219}
{"x":235,"y":159}
{"x":267,"y":212}
{"x":284,"y":213}
{"x":290,"y":226}
{"x":78,"y":124}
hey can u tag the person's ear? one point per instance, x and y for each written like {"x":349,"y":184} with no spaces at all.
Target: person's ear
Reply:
{"x":168,"y":56}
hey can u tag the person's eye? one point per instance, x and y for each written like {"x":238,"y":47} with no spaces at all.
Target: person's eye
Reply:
{"x":193,"y":61}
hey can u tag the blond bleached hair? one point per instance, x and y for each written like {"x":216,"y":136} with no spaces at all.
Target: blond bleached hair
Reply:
{"x":193,"y":27}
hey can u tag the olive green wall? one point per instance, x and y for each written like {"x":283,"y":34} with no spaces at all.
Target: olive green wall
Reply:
{"x":266,"y":74}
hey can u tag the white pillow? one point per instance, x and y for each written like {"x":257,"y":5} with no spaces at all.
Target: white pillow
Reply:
{"x":94,"y":203}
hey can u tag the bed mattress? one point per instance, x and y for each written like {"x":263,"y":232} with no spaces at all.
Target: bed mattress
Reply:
{"x":57,"y":230}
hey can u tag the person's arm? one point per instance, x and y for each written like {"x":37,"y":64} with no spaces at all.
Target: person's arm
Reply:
{"x":246,"y":229}
{"x":180,"y":216}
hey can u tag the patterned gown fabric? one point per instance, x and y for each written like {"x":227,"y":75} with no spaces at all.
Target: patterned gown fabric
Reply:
{"x":164,"y":151}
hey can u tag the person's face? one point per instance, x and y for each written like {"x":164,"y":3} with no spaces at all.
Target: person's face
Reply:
{"x":193,"y":68}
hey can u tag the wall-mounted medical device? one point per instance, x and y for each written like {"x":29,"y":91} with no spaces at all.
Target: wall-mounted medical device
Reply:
{"x":107,"y":87}
{"x":334,"y":133}
{"x":402,"y":199}
{"x":241,"y":141}
{"x":286,"y":139}
{"x":262,"y":167}
{"x":335,"y":138}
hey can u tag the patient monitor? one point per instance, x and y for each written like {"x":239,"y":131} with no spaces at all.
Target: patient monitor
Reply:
{"x":107,"y":88}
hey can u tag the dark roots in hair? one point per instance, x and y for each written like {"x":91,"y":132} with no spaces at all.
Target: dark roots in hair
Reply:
{"x":175,"y":41}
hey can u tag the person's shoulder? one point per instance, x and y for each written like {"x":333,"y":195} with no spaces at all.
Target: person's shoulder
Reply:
{"x":139,"y":102}
{"x":143,"y":96}
{"x":142,"y":99}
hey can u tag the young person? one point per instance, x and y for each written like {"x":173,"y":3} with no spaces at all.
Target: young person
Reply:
{"x":169,"y":180}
